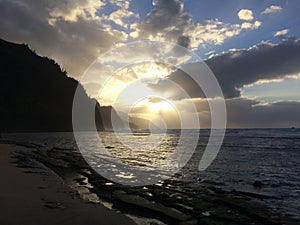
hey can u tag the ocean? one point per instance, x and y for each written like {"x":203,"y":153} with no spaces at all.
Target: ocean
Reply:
{"x":263,"y":164}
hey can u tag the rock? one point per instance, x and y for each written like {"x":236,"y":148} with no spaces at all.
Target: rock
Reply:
{"x":207,"y":213}
{"x":150,"y":205}
{"x":53,"y":205}
{"x":258,"y":184}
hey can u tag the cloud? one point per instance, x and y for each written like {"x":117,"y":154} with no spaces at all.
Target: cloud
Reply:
{"x":245,"y":113}
{"x":251,"y":114}
{"x":272,"y":9}
{"x":251,"y":26}
{"x":241,"y":113}
{"x":265,"y":81}
{"x":245,"y":14}
{"x":155,"y":100}
{"x":264,"y":61}
{"x":237,"y":68}
{"x":294,"y":76}
{"x":75,"y":33}
{"x":123,"y":4}
{"x":168,"y":21}
{"x":70,"y":31}
{"x":119,"y":17}
{"x":281,"y":33}
{"x":70,"y":10}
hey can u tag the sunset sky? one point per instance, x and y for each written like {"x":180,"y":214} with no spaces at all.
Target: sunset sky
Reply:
{"x":252,"y":46}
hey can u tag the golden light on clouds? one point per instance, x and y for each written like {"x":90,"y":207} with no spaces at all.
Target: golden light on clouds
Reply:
{"x":160,"y":112}
{"x":153,"y":70}
{"x":130,"y":82}
{"x":162,"y":106}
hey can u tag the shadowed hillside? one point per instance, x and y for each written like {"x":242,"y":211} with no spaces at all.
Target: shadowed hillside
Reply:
{"x":35,"y":94}
{"x":108,"y":113}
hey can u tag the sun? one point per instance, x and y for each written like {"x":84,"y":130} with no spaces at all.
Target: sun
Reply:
{"x":163,"y":105}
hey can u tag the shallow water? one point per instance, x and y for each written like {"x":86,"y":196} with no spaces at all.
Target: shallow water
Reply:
{"x":271,"y":156}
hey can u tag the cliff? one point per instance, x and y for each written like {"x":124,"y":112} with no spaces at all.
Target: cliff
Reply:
{"x":35,"y":93}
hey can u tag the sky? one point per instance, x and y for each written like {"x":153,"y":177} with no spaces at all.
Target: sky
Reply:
{"x":251,"y":46}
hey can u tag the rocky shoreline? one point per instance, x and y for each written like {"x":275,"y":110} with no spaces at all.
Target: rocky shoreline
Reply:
{"x":32,"y":194}
{"x":164,"y":203}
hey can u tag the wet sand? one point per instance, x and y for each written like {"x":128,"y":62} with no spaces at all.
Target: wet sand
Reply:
{"x":37,"y":196}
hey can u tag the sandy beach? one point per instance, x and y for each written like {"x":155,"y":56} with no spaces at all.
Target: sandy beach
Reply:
{"x":35,"y":196}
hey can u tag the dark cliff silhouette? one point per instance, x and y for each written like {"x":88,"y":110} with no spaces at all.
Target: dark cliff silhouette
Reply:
{"x":108,"y":113}
{"x":35,"y":93}
{"x":121,"y":118}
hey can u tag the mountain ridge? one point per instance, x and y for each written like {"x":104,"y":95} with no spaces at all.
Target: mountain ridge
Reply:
{"x":36,"y":95}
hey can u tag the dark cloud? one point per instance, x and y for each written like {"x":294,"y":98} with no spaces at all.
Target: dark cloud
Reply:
{"x":74,"y":33}
{"x":168,"y":21}
{"x":248,"y":113}
{"x":176,"y":84}
{"x":167,"y":18}
{"x":155,"y":100}
{"x":264,"y":61}
{"x":64,"y":30}
{"x":183,"y":41}
{"x":235,"y":69}
{"x":166,"y":14}
{"x":241,"y":113}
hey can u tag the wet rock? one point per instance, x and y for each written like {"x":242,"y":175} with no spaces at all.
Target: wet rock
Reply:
{"x":53,"y":205}
{"x":254,"y":195}
{"x":207,"y":213}
{"x":150,"y":205}
{"x":189,"y":222}
{"x":258,"y":184}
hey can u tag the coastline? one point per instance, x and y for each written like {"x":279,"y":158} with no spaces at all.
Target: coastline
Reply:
{"x":95,"y":197}
{"x":36,"y":195}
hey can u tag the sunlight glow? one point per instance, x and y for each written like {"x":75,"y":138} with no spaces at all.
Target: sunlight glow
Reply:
{"x":128,"y":83}
{"x":158,"y":107}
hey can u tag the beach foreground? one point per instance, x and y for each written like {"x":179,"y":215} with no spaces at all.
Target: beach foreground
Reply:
{"x":38,"y":196}
{"x":52,"y":185}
